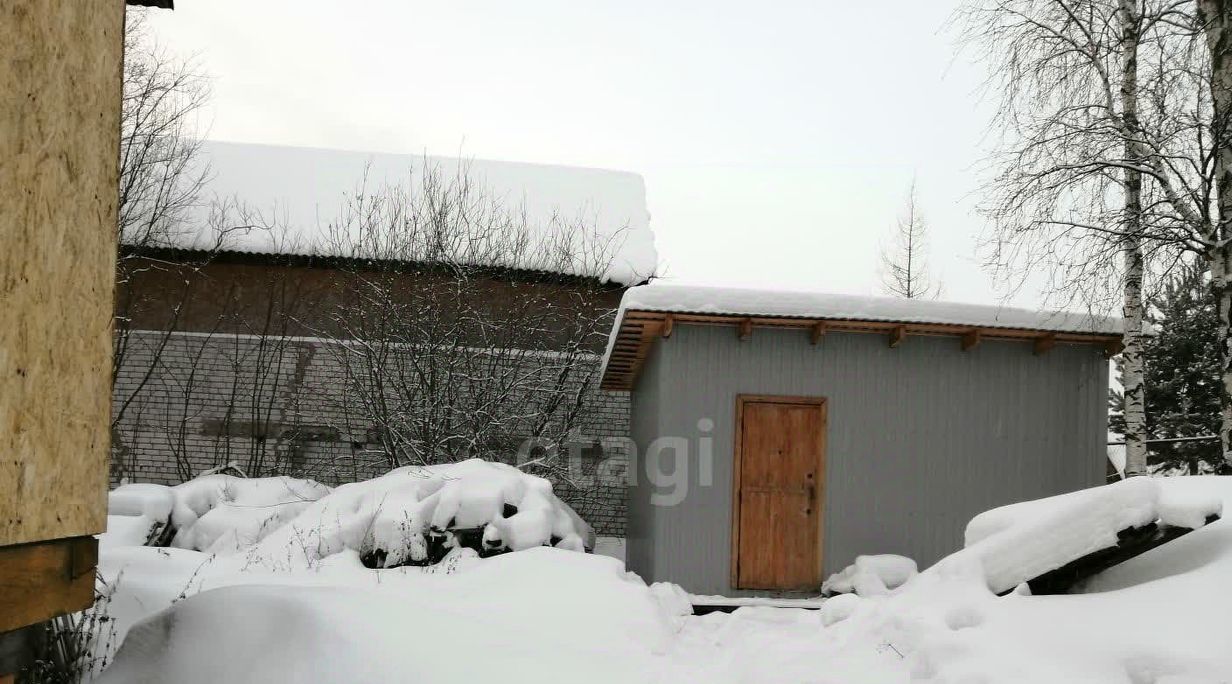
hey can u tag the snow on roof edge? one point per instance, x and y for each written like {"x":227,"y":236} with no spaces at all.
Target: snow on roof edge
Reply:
{"x":733,"y":301}
{"x":307,"y":187}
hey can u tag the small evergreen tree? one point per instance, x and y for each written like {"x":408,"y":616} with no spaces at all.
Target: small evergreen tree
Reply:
{"x":1181,"y":376}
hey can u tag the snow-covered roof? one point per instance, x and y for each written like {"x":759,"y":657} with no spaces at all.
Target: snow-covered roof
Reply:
{"x":307,"y":187}
{"x":649,"y":310}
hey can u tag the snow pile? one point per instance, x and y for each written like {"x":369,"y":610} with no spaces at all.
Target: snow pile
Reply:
{"x":138,"y":514}
{"x":307,"y":188}
{"x":1022,"y":541}
{"x":415,"y":515}
{"x":539,"y":616}
{"x":224,"y":513}
{"x":410,"y":516}
{"x":871,"y":575}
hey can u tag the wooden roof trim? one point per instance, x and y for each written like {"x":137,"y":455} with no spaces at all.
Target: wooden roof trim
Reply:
{"x":639,"y":329}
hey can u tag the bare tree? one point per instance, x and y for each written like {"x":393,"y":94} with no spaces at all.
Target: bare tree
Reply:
{"x":1074,"y":195}
{"x":904,"y":261}
{"x":160,"y":182}
{"x":466,"y":329}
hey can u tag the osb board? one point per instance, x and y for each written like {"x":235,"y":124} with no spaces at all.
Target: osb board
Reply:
{"x":59,"y":136}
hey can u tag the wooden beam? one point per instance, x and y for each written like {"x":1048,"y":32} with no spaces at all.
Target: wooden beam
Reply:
{"x":1113,"y":348}
{"x":971,"y":340}
{"x":896,"y":336}
{"x":639,"y":330}
{"x":668,"y":323}
{"x":817,"y":332}
{"x":1044,"y":343}
{"x":44,"y":579}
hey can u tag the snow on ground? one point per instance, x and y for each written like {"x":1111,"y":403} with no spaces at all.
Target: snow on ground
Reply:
{"x":541,"y":615}
{"x":545,"y":615}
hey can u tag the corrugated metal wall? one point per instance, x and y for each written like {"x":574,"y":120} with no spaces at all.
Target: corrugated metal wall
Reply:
{"x":920,"y":438}
{"x":644,"y":428}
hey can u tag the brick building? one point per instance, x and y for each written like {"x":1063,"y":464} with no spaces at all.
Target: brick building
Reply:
{"x":251,"y":354}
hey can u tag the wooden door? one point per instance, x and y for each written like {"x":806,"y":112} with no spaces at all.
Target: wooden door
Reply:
{"x":779,"y":487}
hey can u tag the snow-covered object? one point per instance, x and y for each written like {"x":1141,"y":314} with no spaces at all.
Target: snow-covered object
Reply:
{"x":396,"y":519}
{"x":871,"y":575}
{"x":390,"y":519}
{"x":141,"y":499}
{"x":137,"y":514}
{"x":1186,"y":508}
{"x":1021,"y":541}
{"x":224,"y":513}
{"x":306,"y":188}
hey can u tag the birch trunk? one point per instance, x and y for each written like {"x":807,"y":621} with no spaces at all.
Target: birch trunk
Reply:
{"x":1131,"y":247}
{"x":1215,"y":16}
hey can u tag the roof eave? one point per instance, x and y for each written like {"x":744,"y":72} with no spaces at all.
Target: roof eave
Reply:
{"x":637,"y":329}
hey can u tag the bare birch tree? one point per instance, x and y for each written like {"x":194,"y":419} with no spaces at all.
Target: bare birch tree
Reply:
{"x":904,"y":262}
{"x":1069,"y":196}
{"x":1133,"y":269}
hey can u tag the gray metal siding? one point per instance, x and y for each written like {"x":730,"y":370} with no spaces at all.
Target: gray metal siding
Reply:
{"x":920,"y":438}
{"x":644,"y":427}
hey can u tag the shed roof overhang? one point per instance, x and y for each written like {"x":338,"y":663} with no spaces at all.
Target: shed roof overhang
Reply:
{"x":636,"y":332}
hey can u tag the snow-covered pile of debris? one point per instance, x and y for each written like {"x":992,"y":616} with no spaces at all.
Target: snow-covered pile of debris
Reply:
{"x":410,"y":516}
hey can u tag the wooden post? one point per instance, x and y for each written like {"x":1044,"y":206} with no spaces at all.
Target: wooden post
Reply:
{"x":668,"y":324}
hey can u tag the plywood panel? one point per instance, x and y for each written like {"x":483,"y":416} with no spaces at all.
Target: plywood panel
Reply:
{"x":781,"y":463}
{"x":59,"y":136}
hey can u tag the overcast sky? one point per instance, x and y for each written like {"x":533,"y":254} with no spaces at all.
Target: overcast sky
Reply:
{"x":777,"y":140}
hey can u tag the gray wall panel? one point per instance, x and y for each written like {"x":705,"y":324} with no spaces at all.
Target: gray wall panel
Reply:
{"x":920,"y":438}
{"x":644,"y":428}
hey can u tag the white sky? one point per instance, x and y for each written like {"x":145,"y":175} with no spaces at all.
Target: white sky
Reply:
{"x":777,"y":140}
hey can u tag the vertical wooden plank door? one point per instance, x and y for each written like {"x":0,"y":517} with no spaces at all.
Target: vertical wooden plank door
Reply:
{"x":780,"y":467}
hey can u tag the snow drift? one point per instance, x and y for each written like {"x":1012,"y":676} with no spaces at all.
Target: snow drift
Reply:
{"x":410,"y":516}
{"x":549,"y":615}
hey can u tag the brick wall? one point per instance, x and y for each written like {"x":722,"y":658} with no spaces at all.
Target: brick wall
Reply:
{"x":188,"y":402}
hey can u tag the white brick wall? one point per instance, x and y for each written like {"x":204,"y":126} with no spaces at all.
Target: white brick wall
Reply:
{"x":196,"y":409}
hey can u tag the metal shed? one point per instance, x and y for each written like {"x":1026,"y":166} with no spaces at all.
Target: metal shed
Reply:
{"x":779,"y":435}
